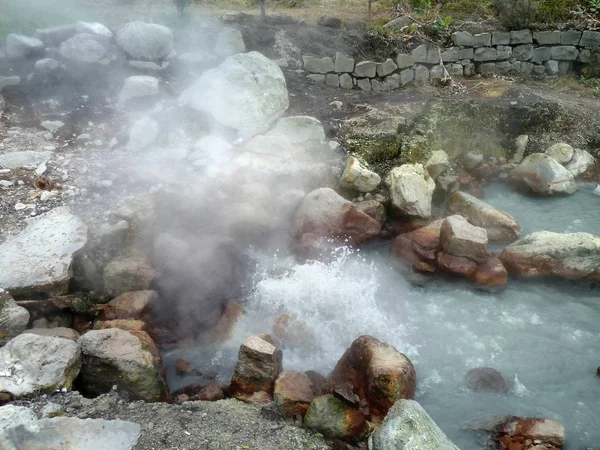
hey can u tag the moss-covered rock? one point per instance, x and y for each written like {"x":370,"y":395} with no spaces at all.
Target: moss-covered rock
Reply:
{"x":334,"y":418}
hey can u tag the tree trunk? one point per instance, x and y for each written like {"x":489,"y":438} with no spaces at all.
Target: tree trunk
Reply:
{"x":262,"y":10}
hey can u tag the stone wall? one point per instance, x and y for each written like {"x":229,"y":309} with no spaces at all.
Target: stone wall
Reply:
{"x":539,"y":54}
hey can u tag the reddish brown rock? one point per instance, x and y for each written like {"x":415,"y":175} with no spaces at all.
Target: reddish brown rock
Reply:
{"x":456,"y":264}
{"x":211,"y":392}
{"x":182,"y":367}
{"x":320,"y":383}
{"x":486,"y":379}
{"x":335,"y":418}
{"x":127,"y":325}
{"x":222,"y":330}
{"x":491,"y":275}
{"x":423,"y":267}
{"x":293,"y":393}
{"x":529,"y":432}
{"x":290,"y":330}
{"x":421,"y":244}
{"x":258,"y":366}
{"x":483,"y":172}
{"x":460,"y":238}
{"x":379,"y":374}
{"x":134,"y":305}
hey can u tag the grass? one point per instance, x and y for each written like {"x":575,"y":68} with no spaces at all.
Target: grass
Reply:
{"x":582,"y":87}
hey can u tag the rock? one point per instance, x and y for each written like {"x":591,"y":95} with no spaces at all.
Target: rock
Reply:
{"x":13,"y":318}
{"x":378,"y":373}
{"x":298,"y":130}
{"x":212,"y":392}
{"x":25,"y":159}
{"x":128,"y":274}
{"x":521,"y":145}
{"x":561,"y":152}
{"x":316,"y":65}
{"x":137,"y":87}
{"x":398,"y":23}
{"x":567,"y":255}
{"x":491,"y":275}
{"x":541,"y":174}
{"x":422,"y":244}
{"x":358,"y":177}
{"x":54,"y":36}
{"x":61,"y":332}
{"x":456,"y":264}
{"x":38,"y":259}
{"x":144,"y":132}
{"x":96,"y":29}
{"x":30,"y":364}
{"x":83,"y":48}
{"x":472,"y":160}
{"x":523,"y":53}
{"x":437,"y":164}
{"x":328,"y":21}
{"x":486,"y":379}
{"x":408,"y":427}
{"x":500,"y":226}
{"x":581,"y":162}
{"x":343,"y":64}
{"x":365,"y":69}
{"x":462,"y":38}
{"x":411,"y":189}
{"x":257,"y":368}
{"x":373,"y":209}
{"x":325,"y":213}
{"x":334,"y":418}
{"x":460,"y":238}
{"x":404,"y":61}
{"x":145,"y":41}
{"x":246,"y":92}
{"x":121,"y":324}
{"x":294,"y":391}
{"x":70,"y":433}
{"x":386,"y":68}
{"x":486,"y":54}
{"x":134,"y":305}
{"x":544,"y":432}
{"x":346,"y":81}
{"x":13,"y":416}
{"x":590,"y":39}
{"x":51,"y":410}
{"x":18,"y":46}
{"x":332,"y":79}
{"x":564,"y":53}
{"x":520,"y":37}
{"x":129,"y":360}
{"x":52,"y":125}
{"x":364,"y":84}
{"x":229,"y":42}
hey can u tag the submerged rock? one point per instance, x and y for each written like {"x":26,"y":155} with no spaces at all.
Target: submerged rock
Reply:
{"x":500,"y":226}
{"x":408,"y":427}
{"x":146,"y":41}
{"x":573,"y":256}
{"x":30,"y":364}
{"x":376,"y":372}
{"x":294,"y":391}
{"x":138,"y":86}
{"x":129,"y":360}
{"x":539,"y":433}
{"x":542,"y":174}
{"x":486,"y":379}
{"x":83,"y":48}
{"x":13,"y":318}
{"x":358,"y":177}
{"x":247,"y":92}
{"x":460,"y":238}
{"x":38,"y":259}
{"x":335,"y":418}
{"x":411,"y":189}
{"x":18,"y":46}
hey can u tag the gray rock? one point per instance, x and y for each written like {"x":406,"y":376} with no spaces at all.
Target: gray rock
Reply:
{"x":526,"y":68}
{"x":486,"y":54}
{"x":503,"y":52}
{"x":54,"y":36}
{"x":561,"y":152}
{"x":437,"y":73}
{"x":437,"y":164}
{"x":590,"y":39}
{"x":515,"y":68}
{"x":463,"y":39}
{"x":51,"y":410}
{"x":547,"y":37}
{"x":407,"y":76}
{"x":229,"y":42}
{"x":551,"y":67}
{"x":317,"y":78}
{"x":459,"y":238}
{"x":96,"y":29}
{"x":18,"y":46}
{"x":398,"y":23}
{"x":411,"y":190}
{"x":9,"y":81}
{"x":61,"y":332}
{"x":520,"y":37}
{"x":83,"y":48}
{"x":346,"y":81}
{"x":541,"y":174}
{"x":343,"y":64}
{"x":564,"y":67}
{"x":584,"y":56}
{"x":358,"y":177}
{"x":247,"y":92}
{"x":541,"y":55}
{"x":373,"y":209}
{"x":365,"y":69}
{"x":580,"y":162}
{"x":403,"y":61}
{"x":13,"y":318}
{"x":456,"y":70}
{"x":570,"y":37}
{"x":408,"y":427}
{"x":133,"y":273}
{"x":482,"y":40}
{"x":450,"y":55}
{"x":564,"y":53}
{"x":151,"y":66}
{"x":69,"y":433}
{"x":146,"y":41}
{"x":313,"y":64}
{"x":487,"y":69}
{"x":502,"y":67}
{"x":393,"y":81}
{"x":46,"y":65}
{"x":52,"y":125}
{"x":377,"y":85}
{"x":472,"y":160}
{"x":137,"y":87}
{"x":32,"y":364}
{"x":332,"y":79}
{"x":386,"y":68}
{"x":433,"y":55}
{"x":523,"y":52}
{"x":539,"y":71}
{"x":38,"y":259}
{"x":364,"y":84}
{"x":466,"y":53}
{"x":328,"y":21}
{"x":143,"y":132}
{"x":500,"y":38}
{"x":419,"y":54}
{"x":13,"y":416}
{"x":421,"y":73}
{"x":520,"y":145}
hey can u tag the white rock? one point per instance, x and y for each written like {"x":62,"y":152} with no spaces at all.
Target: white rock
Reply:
{"x":561,"y":152}
{"x":46,"y":65}
{"x":137,"y":87}
{"x":299,"y":129}
{"x":38,"y":364}
{"x":27,"y":159}
{"x":246,"y":92}
{"x":83,"y":48}
{"x":581,"y":161}
{"x":229,"y":42}
{"x":438,"y":163}
{"x":38,"y":259}
{"x":145,"y":41}
{"x":411,"y":189}
{"x":357,"y":177}
{"x":94,"y":28}
{"x":143,"y":132}
{"x":459,"y":238}
{"x":542,"y":174}
{"x":520,"y":144}
{"x":597,"y":190}
{"x":52,"y":125}
{"x":6,"y":183}
{"x":13,"y":318}
{"x":13,"y":416}
{"x":18,"y":46}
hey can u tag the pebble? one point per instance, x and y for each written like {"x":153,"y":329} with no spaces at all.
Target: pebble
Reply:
{"x":6,"y":183}
{"x":20,"y":206}
{"x":46,"y":195}
{"x":83,"y":136}
{"x":2,"y":171}
{"x":597,"y":190}
{"x":48,"y":136}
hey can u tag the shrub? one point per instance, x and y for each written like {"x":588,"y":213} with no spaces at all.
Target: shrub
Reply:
{"x":556,"y":10}
{"x":517,"y":14}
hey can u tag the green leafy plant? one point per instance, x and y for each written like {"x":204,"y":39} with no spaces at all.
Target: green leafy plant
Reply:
{"x":594,"y":6}
{"x":442,"y":23}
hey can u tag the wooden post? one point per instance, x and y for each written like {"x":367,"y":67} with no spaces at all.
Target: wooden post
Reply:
{"x":262,"y":10}
{"x":370,"y":1}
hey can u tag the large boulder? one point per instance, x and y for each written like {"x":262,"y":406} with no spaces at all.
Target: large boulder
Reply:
{"x":500,"y":226}
{"x":358,"y":177}
{"x":422,"y":244}
{"x":146,"y":41}
{"x":411,"y":188}
{"x":408,"y":427}
{"x":129,"y":360}
{"x":376,"y":372}
{"x":460,"y":238}
{"x":132,"y":273}
{"x":335,"y":418}
{"x":574,"y":256}
{"x":580,"y":162}
{"x":257,"y":368}
{"x":542,"y":174}
{"x":18,"y":46}
{"x":83,"y":48}
{"x":247,"y":92}
{"x":324,"y":213}
{"x":38,"y":259}
{"x":561,"y":152}
{"x":30,"y":364}
{"x":13,"y":318}
{"x":294,"y":391}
